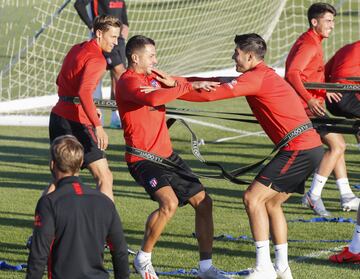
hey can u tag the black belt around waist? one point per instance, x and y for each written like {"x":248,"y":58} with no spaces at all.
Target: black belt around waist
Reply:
{"x":69,"y":99}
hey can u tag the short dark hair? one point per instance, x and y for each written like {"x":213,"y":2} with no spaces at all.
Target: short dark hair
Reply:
{"x":135,"y":43}
{"x":317,"y":10}
{"x":104,"y":22}
{"x":251,"y":42}
{"x":68,"y":153}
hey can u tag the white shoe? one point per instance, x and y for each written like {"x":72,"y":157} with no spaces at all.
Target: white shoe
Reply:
{"x":145,"y":269}
{"x":349,"y":202}
{"x":258,"y":273}
{"x":212,"y":273}
{"x":286,"y":274}
{"x":316,"y":204}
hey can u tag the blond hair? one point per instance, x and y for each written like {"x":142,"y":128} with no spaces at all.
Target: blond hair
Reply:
{"x":104,"y":22}
{"x":67,"y":153}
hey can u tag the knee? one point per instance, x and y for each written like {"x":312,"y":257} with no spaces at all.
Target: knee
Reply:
{"x":169,"y":207}
{"x":203,"y":201}
{"x":339,"y":149}
{"x":272,"y":205}
{"x":104,"y":177}
{"x":249,"y":200}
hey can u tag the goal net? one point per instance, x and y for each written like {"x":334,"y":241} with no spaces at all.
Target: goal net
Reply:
{"x":191,"y":37}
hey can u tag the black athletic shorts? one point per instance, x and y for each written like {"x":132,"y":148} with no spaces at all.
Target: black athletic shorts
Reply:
{"x":321,"y":129}
{"x":348,"y":106}
{"x":60,"y":126}
{"x":153,"y":176}
{"x":117,"y":55}
{"x":288,"y":170}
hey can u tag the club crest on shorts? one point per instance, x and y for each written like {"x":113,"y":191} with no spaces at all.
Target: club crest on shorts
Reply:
{"x":153,"y":182}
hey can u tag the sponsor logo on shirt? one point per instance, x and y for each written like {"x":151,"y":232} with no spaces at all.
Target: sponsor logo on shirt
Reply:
{"x":232,"y":83}
{"x":116,"y":5}
{"x":153,"y":182}
{"x":154,"y":83}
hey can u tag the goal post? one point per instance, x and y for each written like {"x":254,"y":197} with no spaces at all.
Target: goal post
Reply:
{"x":192,"y":36}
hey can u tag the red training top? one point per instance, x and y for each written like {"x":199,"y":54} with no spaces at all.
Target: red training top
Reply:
{"x":305,"y":63}
{"x":80,"y":73}
{"x":345,"y":63}
{"x":143,"y":115}
{"x":273,"y":101}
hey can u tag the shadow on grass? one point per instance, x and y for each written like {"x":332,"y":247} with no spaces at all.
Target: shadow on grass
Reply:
{"x":12,"y":222}
{"x":18,"y":249}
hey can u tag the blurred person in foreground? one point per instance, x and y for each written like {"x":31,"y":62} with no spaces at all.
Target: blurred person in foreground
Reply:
{"x":73,"y":223}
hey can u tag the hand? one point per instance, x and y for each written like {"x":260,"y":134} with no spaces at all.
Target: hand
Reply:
{"x":206,"y":85}
{"x":333,"y":96}
{"x":147,"y":89}
{"x":99,"y":113}
{"x":102,"y":138}
{"x":164,"y":78}
{"x":316,"y":107}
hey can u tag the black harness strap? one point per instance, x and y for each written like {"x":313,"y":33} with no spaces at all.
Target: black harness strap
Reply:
{"x":228,"y":175}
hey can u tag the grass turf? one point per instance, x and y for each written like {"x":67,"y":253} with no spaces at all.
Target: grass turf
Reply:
{"x":24,"y":174}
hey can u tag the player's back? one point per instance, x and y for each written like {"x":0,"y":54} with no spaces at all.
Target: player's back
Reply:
{"x":278,"y":109}
{"x":83,"y":218}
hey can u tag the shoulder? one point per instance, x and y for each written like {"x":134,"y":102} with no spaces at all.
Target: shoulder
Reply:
{"x":129,"y":78}
{"x":44,"y":202}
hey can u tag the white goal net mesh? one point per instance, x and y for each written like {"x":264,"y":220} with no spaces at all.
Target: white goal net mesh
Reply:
{"x":192,"y":36}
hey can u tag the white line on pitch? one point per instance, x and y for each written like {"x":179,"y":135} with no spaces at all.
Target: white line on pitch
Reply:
{"x":220,"y":127}
{"x":259,"y":133}
{"x":316,"y":254}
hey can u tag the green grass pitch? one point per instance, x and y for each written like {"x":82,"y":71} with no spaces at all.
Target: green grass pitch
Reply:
{"x":24,"y":174}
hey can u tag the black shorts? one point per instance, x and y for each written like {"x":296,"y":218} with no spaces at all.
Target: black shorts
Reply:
{"x":153,"y":176}
{"x":60,"y":126}
{"x":117,"y":55}
{"x":321,"y":129}
{"x":288,"y":170}
{"x":348,"y":106}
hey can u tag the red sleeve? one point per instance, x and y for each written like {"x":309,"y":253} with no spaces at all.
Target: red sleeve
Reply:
{"x":299,"y":63}
{"x":328,"y":69}
{"x":93,"y":71}
{"x":245,"y":85}
{"x":191,"y":79}
{"x":155,"y":98}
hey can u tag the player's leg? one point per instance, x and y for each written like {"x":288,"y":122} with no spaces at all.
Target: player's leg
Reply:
{"x":58,"y":126}
{"x":104,"y":179}
{"x":204,"y":228}
{"x":284,"y":174}
{"x":94,"y":158}
{"x":348,"y":199}
{"x":278,"y":231}
{"x":255,"y":198}
{"x":336,"y":149}
{"x":157,"y":220}
{"x":155,"y":225}
{"x":156,"y":181}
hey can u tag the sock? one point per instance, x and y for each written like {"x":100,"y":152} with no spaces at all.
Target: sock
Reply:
{"x":263,"y":260}
{"x":143,"y":256}
{"x":354,"y":246}
{"x":204,"y":265}
{"x":344,"y":186}
{"x":281,"y":256}
{"x":317,"y":184}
